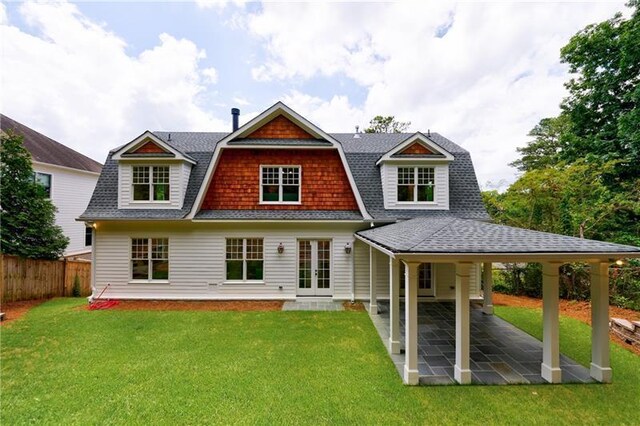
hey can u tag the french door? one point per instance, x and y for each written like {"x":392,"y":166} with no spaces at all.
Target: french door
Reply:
{"x":425,"y":280}
{"x":314,"y":268}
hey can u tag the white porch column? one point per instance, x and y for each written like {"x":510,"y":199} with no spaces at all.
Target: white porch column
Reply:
{"x":373,"y":281}
{"x":394,"y":306}
{"x":411,"y":376}
{"x":550,"y":369}
{"x":461,"y":371}
{"x":487,"y":306}
{"x":600,"y":366}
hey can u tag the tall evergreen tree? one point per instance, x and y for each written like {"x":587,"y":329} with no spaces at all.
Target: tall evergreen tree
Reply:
{"x":27,"y":217}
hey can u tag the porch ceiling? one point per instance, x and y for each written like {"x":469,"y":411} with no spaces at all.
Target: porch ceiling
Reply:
{"x":448,"y":236}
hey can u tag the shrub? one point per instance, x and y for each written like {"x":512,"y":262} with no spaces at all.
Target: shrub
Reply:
{"x":76,"y":291}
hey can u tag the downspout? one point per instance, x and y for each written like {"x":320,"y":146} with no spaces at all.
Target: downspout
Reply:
{"x":353,"y":271}
{"x":94,"y":247}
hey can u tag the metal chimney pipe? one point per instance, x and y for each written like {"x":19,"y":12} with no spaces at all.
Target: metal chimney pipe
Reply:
{"x":235,"y":115}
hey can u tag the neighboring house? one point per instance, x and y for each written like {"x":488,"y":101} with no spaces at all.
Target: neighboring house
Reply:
{"x":68,"y":177}
{"x":280,"y":209}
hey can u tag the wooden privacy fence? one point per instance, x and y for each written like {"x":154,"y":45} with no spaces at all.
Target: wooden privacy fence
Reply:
{"x":26,"y":279}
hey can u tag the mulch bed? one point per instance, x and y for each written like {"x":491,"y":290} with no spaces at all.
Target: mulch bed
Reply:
{"x":14,"y":310}
{"x":355,"y":306}
{"x":199,"y":305}
{"x":579,"y":310}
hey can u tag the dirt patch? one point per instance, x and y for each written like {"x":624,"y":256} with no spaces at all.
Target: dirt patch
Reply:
{"x":355,"y":306}
{"x":14,"y":310}
{"x":199,"y":305}
{"x":572,"y":308}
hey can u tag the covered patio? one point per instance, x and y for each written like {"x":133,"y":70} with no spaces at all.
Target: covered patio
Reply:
{"x":457,"y":331}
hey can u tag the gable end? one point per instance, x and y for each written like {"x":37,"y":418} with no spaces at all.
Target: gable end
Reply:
{"x":416,"y":148}
{"x":148,"y":148}
{"x":280,"y":128}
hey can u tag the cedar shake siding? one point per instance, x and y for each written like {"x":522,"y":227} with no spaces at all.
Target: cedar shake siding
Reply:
{"x":280,"y":128}
{"x":149,"y":148}
{"x":416,"y":149}
{"x":236,"y":180}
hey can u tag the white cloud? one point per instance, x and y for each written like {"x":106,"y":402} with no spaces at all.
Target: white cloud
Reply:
{"x":211,"y":75}
{"x":75,"y":81}
{"x":219,"y":4}
{"x":241,"y":101}
{"x":485,"y":84}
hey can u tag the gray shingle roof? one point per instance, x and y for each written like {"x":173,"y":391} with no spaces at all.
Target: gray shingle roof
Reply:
{"x":453,"y":235}
{"x":279,"y":214}
{"x":361,"y":153}
{"x":45,"y":150}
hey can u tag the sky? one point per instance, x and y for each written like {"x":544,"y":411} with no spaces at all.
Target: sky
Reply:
{"x":95,"y":75}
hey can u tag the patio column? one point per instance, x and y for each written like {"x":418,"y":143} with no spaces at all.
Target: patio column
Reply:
{"x":461,"y":371}
{"x":411,"y":376}
{"x":394,"y":306}
{"x":600,"y":366}
{"x":373,"y":281}
{"x":487,"y":306}
{"x":550,"y":369}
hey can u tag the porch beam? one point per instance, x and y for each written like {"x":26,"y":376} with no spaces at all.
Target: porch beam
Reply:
{"x":461,"y":371}
{"x":394,"y":306}
{"x":373,"y":281}
{"x":550,"y":369}
{"x":487,"y":272}
{"x":600,"y":365}
{"x":411,"y":375}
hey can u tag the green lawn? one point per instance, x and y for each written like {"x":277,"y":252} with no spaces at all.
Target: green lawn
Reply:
{"x":65,"y":365}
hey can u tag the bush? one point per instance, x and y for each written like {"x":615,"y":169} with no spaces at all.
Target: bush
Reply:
{"x":76,"y":290}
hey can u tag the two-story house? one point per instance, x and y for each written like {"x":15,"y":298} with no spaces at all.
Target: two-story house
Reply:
{"x":280,"y":209}
{"x":68,"y":178}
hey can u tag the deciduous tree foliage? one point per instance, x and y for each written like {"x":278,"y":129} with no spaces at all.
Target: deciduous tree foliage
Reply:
{"x":26,"y":215}
{"x":389,"y":124}
{"x":582,"y":169}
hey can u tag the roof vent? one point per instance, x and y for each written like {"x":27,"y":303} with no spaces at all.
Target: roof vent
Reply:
{"x":235,"y":116}
{"x":356,"y":135}
{"x":169,"y":139}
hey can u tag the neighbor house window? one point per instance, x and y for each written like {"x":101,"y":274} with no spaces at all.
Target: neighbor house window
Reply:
{"x":280,"y":184}
{"x":44,"y":180}
{"x":150,"y":258}
{"x":88,"y":235}
{"x":245,"y":259}
{"x":151,"y":183}
{"x":416,"y":184}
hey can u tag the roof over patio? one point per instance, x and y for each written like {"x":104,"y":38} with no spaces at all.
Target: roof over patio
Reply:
{"x":449,"y":236}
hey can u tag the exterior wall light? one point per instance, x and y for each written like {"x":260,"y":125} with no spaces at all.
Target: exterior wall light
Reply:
{"x":347,"y":248}
{"x":280,"y":248}
{"x":619,"y":262}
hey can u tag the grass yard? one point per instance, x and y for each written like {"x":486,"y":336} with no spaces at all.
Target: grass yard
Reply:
{"x":62,"y":364}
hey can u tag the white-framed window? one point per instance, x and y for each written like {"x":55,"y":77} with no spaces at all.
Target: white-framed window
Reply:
{"x":280,"y":184}
{"x":416,"y":184}
{"x":44,"y":180}
{"x":150,"y":259}
{"x":245,"y":259}
{"x":88,"y":236}
{"x":150,"y":183}
{"x":425,"y":276}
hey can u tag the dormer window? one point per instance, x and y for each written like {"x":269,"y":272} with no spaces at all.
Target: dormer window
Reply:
{"x":416,"y":184}
{"x":151,"y":183}
{"x":280,"y":184}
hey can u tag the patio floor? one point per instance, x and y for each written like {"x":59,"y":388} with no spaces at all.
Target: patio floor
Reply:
{"x":500,"y":353}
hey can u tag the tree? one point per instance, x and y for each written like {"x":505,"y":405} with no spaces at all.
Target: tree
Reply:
{"x":603,"y":106}
{"x":27,"y":216}
{"x":545,"y":149}
{"x":388,"y":124}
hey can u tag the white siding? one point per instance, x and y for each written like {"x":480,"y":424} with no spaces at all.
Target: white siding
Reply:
{"x":389,"y":176}
{"x":197,"y":260}
{"x":444,"y":275}
{"x":176,"y":182}
{"x":70,"y":192}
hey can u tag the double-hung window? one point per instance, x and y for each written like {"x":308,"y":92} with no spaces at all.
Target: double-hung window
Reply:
{"x":150,"y":259}
{"x":280,"y":184}
{"x":44,"y":180}
{"x":245,"y":260}
{"x":416,"y":184}
{"x":151,"y":183}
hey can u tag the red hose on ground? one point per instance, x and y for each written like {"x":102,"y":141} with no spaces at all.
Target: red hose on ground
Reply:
{"x":102,"y":304}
